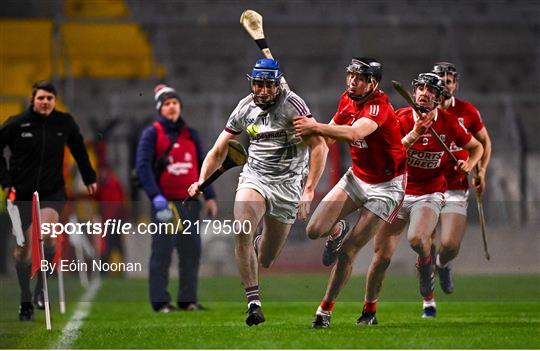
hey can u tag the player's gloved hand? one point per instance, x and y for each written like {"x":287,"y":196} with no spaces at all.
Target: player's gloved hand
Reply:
{"x":163,"y":213}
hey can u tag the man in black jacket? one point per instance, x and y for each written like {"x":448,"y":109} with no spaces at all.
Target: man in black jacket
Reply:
{"x":36,"y":139}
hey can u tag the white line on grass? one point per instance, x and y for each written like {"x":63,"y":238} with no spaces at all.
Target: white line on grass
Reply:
{"x":70,"y":333}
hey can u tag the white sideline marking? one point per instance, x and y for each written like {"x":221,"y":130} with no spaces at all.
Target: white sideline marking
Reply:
{"x":70,"y":333}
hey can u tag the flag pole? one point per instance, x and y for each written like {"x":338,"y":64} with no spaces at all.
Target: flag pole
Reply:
{"x":61,"y":293}
{"x":59,"y":250}
{"x":41,"y":248}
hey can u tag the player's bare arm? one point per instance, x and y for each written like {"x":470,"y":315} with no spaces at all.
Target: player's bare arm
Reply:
{"x":475,"y":150}
{"x":359,"y":130}
{"x":317,"y":161}
{"x":480,"y":179}
{"x":212,"y":161}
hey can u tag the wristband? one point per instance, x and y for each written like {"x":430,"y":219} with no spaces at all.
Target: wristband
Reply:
{"x":410,"y":138}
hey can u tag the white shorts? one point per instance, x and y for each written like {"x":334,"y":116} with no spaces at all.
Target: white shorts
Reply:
{"x":383,"y":199}
{"x":456,"y":202}
{"x":281,"y":199}
{"x":435,"y":201}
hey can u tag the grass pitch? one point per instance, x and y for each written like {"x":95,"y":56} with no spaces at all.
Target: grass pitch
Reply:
{"x":485,"y":312}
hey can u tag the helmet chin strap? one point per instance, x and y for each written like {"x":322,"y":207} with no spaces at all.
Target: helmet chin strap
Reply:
{"x":268,"y":104}
{"x":424,"y":109}
{"x":363,"y":97}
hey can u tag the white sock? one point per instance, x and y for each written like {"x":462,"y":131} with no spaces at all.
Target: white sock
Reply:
{"x":438,"y":262}
{"x":255,"y":302}
{"x":321,"y":311}
{"x":429,"y":303}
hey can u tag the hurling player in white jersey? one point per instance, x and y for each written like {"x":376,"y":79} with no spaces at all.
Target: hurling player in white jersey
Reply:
{"x":279,"y":179}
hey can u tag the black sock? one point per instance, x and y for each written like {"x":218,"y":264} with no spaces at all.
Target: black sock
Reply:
{"x":49,"y":252}
{"x":23,"y":274}
{"x":49,"y":256}
{"x":39,"y":284}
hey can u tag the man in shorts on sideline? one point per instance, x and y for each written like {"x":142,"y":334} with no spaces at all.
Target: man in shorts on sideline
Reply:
{"x":271,"y":186}
{"x":454,"y":213}
{"x":424,"y":194}
{"x":375,"y":184}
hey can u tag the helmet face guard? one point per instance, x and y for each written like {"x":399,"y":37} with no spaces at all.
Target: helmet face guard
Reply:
{"x":431,"y":80}
{"x":267,"y":73}
{"x":368,"y":67}
{"x":443,"y":69}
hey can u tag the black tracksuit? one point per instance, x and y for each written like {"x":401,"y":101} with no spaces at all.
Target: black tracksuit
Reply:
{"x":37,"y":146}
{"x":37,"y":143}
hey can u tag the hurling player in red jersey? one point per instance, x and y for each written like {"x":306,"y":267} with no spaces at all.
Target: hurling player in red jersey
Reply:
{"x":375,"y":183}
{"x":424,"y":194}
{"x":454,"y":213}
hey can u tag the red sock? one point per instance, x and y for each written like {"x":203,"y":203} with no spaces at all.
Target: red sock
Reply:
{"x":424,"y":260}
{"x":429,"y":297}
{"x":336,"y":231}
{"x":327,"y":305}
{"x":370,"y":307}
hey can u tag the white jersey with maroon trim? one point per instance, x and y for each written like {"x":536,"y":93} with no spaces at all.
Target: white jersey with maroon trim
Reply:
{"x":275,"y":152}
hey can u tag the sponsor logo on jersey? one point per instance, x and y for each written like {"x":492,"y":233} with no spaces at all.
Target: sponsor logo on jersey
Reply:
{"x":27,"y":135}
{"x":179,"y":168}
{"x":276,"y":134}
{"x":360,"y":144}
{"x":424,"y":159}
{"x":25,"y":125}
{"x":454,"y":147}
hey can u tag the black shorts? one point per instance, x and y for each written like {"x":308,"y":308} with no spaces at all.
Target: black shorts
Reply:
{"x":56,"y":201}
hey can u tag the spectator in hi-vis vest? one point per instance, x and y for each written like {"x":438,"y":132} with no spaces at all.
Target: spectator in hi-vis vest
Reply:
{"x":169,"y":157}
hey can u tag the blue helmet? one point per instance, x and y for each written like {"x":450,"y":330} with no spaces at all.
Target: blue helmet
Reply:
{"x":265,"y":70}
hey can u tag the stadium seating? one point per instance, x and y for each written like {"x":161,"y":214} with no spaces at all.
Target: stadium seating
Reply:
{"x":206,"y":54}
{"x":8,"y":109}
{"x":105,"y":50}
{"x":95,"y":9}
{"x":25,"y":56}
